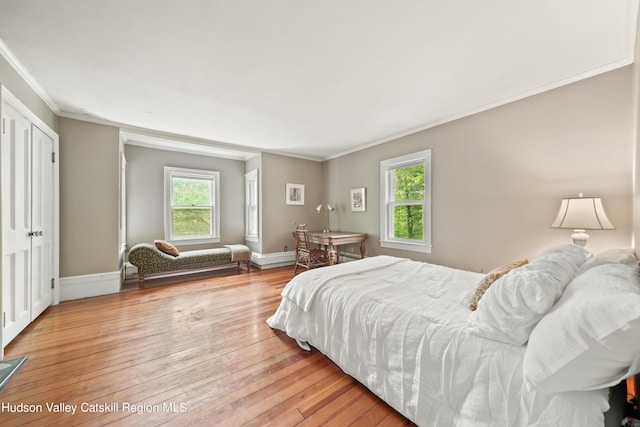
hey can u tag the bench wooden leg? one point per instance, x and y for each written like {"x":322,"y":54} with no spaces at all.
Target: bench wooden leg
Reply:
{"x":140,"y":281}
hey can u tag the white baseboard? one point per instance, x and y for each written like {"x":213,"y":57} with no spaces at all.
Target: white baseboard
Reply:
{"x":283,"y":259}
{"x":273,"y":260}
{"x":130,"y":271}
{"x":90,"y":285}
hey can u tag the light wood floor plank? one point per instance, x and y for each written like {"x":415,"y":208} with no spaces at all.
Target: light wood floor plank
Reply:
{"x":194,"y":350}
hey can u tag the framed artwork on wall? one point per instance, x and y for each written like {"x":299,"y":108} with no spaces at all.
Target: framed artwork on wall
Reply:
{"x":358,"y":200}
{"x":294,"y":194}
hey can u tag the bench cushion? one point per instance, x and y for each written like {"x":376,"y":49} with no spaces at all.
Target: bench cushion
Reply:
{"x":239,"y":253}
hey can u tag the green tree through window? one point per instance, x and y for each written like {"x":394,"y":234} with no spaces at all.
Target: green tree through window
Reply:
{"x":408,"y":184}
{"x":192,"y":207}
{"x":405,"y":202}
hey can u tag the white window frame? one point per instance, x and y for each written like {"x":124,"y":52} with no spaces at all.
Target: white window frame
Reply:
{"x":251,"y":199}
{"x":214,"y":176}
{"x":387,"y":203}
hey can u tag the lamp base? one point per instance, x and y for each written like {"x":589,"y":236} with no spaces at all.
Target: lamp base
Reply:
{"x":579,"y":237}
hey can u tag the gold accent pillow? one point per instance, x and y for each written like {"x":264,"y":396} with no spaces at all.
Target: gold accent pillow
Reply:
{"x":490,"y":278}
{"x":166,"y":247}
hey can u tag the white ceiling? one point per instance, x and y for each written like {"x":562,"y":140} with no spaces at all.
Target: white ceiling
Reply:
{"x":310,"y":78}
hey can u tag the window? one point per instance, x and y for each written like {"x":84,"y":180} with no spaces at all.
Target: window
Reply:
{"x":251,"y":206}
{"x":405,"y":195}
{"x":192,"y":208}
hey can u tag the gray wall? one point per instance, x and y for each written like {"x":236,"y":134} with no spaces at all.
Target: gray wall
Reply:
{"x":145,"y":193}
{"x":498,"y":176}
{"x":636,"y":114}
{"x":89,"y":174}
{"x":279,"y":219}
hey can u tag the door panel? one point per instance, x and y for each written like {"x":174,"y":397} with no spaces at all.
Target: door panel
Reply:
{"x":41,"y":222}
{"x":16,"y":222}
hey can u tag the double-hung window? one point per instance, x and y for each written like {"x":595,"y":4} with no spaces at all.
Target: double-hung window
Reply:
{"x":405,"y":195}
{"x":192,"y":205}
{"x":251,"y":206}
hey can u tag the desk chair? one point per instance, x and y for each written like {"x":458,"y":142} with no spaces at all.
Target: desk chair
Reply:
{"x":306,"y":256}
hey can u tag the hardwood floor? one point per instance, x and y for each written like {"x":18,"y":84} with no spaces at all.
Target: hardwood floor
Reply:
{"x":197,"y":352}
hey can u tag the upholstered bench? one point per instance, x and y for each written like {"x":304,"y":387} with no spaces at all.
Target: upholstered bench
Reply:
{"x":151,"y":260}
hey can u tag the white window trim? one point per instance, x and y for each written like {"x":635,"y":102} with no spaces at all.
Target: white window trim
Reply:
{"x":251,"y":178}
{"x":169,"y":173}
{"x":386,"y":227}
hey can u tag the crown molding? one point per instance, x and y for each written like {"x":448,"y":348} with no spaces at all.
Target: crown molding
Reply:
{"x":27,"y":77}
{"x":183,"y":145}
{"x":622,"y":62}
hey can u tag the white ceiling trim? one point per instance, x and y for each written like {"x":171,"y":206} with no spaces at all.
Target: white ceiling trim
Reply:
{"x":627,"y":60}
{"x":176,"y":140}
{"x":140,"y":138}
{"x":27,"y":77}
{"x":180,"y":145}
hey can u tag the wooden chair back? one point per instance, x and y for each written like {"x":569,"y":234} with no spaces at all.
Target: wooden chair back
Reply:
{"x":302,"y":238}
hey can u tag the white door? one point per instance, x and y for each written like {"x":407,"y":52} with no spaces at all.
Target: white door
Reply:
{"x":16,"y":222}
{"x":41,"y":221}
{"x":27,"y":221}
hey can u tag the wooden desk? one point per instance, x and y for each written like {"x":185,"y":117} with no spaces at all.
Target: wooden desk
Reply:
{"x":337,"y":238}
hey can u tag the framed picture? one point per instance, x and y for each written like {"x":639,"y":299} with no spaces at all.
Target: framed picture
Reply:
{"x":358,"y":200}
{"x":294,"y":194}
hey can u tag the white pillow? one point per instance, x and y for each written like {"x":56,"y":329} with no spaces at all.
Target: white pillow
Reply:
{"x":611,"y":256}
{"x":514,"y":304}
{"x":591,"y":338}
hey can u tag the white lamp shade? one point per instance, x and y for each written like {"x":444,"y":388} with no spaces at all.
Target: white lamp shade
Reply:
{"x":585,"y":213}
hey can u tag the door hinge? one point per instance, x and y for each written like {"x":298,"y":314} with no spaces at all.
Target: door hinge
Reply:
{"x":53,"y":157}
{"x":3,"y":129}
{"x":53,"y":283}
{"x":4,"y":319}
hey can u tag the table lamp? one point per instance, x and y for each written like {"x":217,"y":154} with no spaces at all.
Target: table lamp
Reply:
{"x":580,"y":214}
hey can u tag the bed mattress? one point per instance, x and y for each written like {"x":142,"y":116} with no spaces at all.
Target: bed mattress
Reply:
{"x":400,"y":328}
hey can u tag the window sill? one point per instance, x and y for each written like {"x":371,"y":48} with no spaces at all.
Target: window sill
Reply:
{"x":406,"y":246}
{"x":196,"y":241}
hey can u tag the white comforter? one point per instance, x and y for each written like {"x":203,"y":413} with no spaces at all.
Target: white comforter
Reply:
{"x":400,"y":328}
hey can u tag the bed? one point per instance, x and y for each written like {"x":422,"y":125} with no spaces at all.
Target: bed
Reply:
{"x":540,"y":349}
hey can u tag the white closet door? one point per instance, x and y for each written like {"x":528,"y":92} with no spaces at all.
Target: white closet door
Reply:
{"x":41,"y":221}
{"x":16,"y":222}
